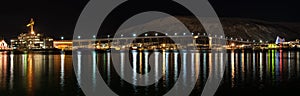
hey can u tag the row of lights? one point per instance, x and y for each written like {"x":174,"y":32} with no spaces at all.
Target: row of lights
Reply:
{"x":134,"y":35}
{"x":156,"y":34}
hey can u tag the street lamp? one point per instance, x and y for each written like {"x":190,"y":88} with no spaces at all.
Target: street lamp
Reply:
{"x":78,"y":37}
{"x":62,"y":38}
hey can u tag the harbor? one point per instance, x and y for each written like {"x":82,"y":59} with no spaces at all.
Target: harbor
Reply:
{"x":149,"y":41}
{"x":34,"y":64}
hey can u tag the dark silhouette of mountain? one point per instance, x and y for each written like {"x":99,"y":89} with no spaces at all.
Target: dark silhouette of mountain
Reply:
{"x":241,"y":28}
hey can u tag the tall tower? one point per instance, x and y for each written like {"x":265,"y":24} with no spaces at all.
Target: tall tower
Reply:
{"x":31,"y":24}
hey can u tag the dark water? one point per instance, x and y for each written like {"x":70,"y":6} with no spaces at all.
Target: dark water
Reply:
{"x":270,"y":72}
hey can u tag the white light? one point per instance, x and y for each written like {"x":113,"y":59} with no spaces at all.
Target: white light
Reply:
{"x":156,"y":34}
{"x":133,"y":35}
{"x":184,"y":34}
{"x":78,"y":37}
{"x":146,"y":34}
{"x":62,"y":38}
{"x":166,"y":34}
{"x":108,"y":36}
{"x":94,"y":36}
{"x":122,"y":35}
{"x":175,"y":34}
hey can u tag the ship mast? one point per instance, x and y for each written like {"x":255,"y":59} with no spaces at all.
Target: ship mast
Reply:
{"x":31,"y":24}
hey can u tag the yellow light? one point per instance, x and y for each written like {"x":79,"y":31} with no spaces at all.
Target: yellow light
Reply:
{"x":232,"y":44}
{"x":195,"y":37}
{"x":164,"y":45}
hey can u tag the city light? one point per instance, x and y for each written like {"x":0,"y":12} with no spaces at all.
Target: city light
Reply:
{"x":195,"y":37}
{"x":232,"y":44}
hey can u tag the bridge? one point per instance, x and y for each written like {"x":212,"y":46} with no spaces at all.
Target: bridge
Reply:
{"x":146,"y":42}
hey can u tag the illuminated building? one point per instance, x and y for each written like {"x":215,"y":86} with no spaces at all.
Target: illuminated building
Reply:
{"x":63,"y":44}
{"x":31,"y":40}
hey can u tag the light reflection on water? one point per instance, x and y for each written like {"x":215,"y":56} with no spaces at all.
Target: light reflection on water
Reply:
{"x":38,"y":74}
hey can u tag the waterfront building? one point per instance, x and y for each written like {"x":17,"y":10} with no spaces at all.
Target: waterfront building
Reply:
{"x":63,"y":44}
{"x":3,"y":45}
{"x":31,"y":40}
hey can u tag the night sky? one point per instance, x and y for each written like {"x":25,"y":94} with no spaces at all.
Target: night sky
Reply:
{"x":56,"y":18}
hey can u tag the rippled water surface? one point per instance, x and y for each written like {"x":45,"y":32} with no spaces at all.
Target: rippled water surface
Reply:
{"x":246,"y":72}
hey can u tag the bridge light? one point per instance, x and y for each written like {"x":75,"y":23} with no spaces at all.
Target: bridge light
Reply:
{"x":122,"y":35}
{"x":62,"y":38}
{"x":166,"y":34}
{"x":175,"y":34}
{"x":184,"y":34}
{"x":94,"y":36}
{"x":108,"y":36}
{"x":146,"y":34}
{"x":78,"y":37}
{"x":156,"y":34}
{"x":134,"y":35}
